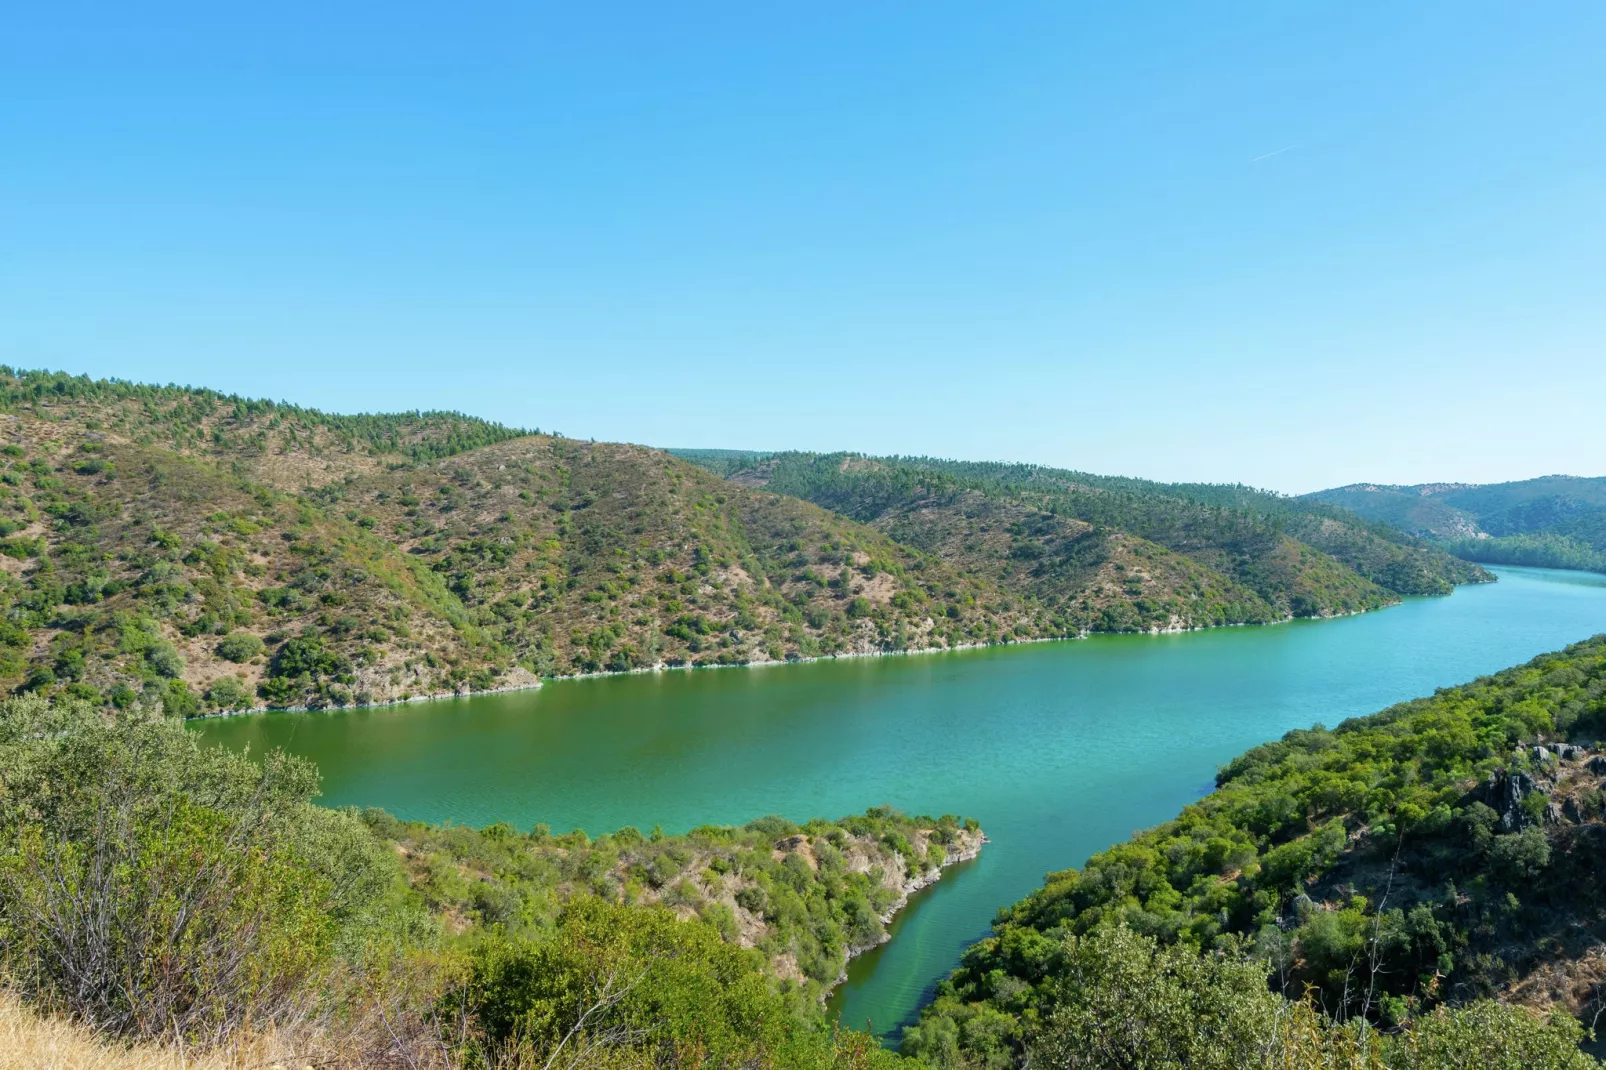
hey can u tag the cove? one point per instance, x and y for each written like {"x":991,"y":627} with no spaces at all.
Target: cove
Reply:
{"x":1059,"y":749}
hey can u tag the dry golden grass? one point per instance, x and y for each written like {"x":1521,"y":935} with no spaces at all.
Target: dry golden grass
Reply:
{"x":30,"y":1041}
{"x":34,"y":1040}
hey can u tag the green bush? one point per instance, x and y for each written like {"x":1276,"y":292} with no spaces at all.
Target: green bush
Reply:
{"x":164,"y":658}
{"x":642,"y":979}
{"x":239,"y":647}
{"x":227,"y":693}
{"x":153,"y":887}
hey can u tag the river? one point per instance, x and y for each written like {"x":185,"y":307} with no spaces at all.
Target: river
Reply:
{"x":1059,"y":749}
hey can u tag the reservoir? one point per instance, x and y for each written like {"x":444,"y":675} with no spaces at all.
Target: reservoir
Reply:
{"x":1058,"y":749}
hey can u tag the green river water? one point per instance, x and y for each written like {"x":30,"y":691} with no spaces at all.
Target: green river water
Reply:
{"x":1059,"y":749}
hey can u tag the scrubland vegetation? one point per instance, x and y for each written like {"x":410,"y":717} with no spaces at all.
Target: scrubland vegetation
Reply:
{"x":1110,"y":554}
{"x":159,"y":892}
{"x":1417,"y":889}
{"x":1379,"y":882}
{"x":214,"y":553}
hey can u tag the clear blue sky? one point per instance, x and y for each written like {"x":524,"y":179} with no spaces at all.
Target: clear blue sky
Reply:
{"x":1294,"y":244}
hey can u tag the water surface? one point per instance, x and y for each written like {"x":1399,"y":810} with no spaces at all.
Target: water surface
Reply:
{"x":1059,"y":749}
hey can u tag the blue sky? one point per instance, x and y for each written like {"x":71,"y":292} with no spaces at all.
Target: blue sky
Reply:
{"x":1290,"y":244}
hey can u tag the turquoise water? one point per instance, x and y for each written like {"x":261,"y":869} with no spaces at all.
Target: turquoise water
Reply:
{"x":1059,"y":749}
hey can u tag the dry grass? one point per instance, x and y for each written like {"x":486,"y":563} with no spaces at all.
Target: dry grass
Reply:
{"x":30,"y":1041}
{"x":33,"y":1041}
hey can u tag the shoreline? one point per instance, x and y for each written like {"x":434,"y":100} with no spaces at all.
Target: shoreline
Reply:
{"x":911,"y":887}
{"x":769,"y":663}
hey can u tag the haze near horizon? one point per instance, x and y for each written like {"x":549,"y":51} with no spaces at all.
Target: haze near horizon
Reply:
{"x":1291,"y":248}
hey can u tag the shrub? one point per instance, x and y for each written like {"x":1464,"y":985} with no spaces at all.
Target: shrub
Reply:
{"x":165,"y":659}
{"x":615,"y":978}
{"x":150,"y":886}
{"x":227,"y":693}
{"x":239,"y":647}
{"x":307,"y":655}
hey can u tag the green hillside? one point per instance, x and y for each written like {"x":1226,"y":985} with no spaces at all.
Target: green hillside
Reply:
{"x":1552,"y":521}
{"x":806,"y":897}
{"x":1111,"y":553}
{"x":213,"y":553}
{"x":1443,"y":851}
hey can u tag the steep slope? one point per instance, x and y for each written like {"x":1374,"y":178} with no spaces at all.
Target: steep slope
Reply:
{"x":809,"y":897}
{"x":1210,"y":555}
{"x":1556,"y":521}
{"x":215,"y":553}
{"x":1444,"y":850}
{"x":131,"y":570}
{"x":581,"y":557}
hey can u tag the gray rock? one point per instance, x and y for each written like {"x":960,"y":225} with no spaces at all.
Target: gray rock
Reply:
{"x":1504,"y":793}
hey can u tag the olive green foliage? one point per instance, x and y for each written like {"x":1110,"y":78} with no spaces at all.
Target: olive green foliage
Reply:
{"x":1490,"y":1036}
{"x":239,"y":646}
{"x":153,"y":887}
{"x":612,"y":977}
{"x":160,"y":534}
{"x":591,"y":557}
{"x":1105,"y":554}
{"x":806,"y":897}
{"x":1121,"y":1001}
{"x":1379,"y":867}
{"x":185,"y":416}
{"x":165,"y":578}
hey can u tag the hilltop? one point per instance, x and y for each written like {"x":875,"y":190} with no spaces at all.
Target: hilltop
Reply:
{"x":1555,"y":521}
{"x":1111,"y":553}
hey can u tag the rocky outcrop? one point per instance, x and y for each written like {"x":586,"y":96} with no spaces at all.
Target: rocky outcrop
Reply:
{"x":1505,"y":792}
{"x":966,"y":845}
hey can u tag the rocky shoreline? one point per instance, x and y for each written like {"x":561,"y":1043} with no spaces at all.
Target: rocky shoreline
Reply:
{"x":535,"y":683}
{"x":966,"y":847}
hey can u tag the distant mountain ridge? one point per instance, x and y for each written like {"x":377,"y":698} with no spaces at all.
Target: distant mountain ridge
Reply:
{"x":1557,"y":521}
{"x":1113,"y":553}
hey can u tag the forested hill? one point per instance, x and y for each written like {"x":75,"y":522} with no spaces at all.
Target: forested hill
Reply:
{"x":216,"y":552}
{"x":1116,"y":553}
{"x":1443,"y":851}
{"x":1552,"y":521}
